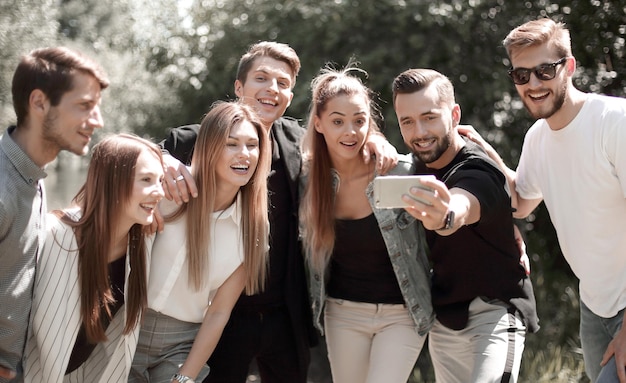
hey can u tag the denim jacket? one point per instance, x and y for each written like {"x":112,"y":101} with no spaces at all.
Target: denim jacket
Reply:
{"x":406,"y":245}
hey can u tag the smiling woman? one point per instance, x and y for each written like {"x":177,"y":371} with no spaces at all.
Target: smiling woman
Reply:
{"x":201,"y":262}
{"x":85,"y":292}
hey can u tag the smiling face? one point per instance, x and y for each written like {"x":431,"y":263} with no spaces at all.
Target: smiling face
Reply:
{"x":70,"y":125}
{"x":147,"y":190}
{"x":542,"y":98}
{"x":267,"y":88}
{"x":427,"y":125}
{"x":238,"y":161}
{"x":344,"y":123}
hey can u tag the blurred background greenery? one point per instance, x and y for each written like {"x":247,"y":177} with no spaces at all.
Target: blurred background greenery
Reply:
{"x":170,"y":59}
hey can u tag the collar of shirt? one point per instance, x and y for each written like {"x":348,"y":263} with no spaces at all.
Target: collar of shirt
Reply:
{"x":31,"y":173}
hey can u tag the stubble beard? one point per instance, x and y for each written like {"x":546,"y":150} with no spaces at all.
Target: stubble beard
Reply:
{"x":52,"y":135}
{"x":559,"y":100}
{"x":433,"y":155}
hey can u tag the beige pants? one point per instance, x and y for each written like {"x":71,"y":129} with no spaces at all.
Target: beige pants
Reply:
{"x":370,"y":343}
{"x":488,"y":350}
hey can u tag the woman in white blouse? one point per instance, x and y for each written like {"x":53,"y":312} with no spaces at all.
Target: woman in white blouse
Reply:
{"x":91,"y":284}
{"x":210,"y":248}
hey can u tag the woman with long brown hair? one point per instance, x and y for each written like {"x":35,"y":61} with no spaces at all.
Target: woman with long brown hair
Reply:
{"x":369,"y":278}
{"x":209,"y":250}
{"x":91,"y":284}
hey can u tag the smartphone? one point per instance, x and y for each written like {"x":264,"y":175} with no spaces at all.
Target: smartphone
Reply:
{"x":388,"y":190}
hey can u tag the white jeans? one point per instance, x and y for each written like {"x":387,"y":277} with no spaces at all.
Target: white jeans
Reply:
{"x":370,"y":343}
{"x":489,"y":349}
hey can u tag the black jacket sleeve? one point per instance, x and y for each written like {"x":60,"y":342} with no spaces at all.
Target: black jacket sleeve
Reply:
{"x":180,"y":142}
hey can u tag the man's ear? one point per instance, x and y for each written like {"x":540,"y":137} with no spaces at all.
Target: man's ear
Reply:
{"x":238,"y":88}
{"x":570,"y":64}
{"x":456,"y":114}
{"x":38,"y":102}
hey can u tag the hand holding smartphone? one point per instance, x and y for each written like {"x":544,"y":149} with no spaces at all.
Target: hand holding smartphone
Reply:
{"x":388,"y":190}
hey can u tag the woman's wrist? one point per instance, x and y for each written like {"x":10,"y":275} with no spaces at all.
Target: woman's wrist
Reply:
{"x":182,"y":378}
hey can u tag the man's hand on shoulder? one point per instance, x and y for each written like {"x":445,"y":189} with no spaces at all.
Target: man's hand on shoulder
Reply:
{"x":386,"y":154}
{"x":178,"y":182}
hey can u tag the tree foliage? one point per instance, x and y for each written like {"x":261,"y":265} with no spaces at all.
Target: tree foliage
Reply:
{"x":24,"y":25}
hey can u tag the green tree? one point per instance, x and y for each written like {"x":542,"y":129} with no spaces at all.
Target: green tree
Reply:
{"x":121,"y":34}
{"x":24,"y":25}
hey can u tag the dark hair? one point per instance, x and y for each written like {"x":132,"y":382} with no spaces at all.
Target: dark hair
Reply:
{"x":414,"y":80}
{"x":278,"y":51}
{"x":52,"y":71}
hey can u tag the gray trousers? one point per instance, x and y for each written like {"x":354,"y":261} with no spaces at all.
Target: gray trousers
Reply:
{"x":163,"y":346}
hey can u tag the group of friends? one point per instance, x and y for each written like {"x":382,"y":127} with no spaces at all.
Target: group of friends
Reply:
{"x":246,"y":236}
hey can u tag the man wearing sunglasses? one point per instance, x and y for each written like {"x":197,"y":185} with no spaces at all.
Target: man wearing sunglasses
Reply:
{"x":574,"y":159}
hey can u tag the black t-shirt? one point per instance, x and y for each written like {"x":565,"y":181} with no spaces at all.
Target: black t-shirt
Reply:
{"x":481,"y":259}
{"x":360,"y":269}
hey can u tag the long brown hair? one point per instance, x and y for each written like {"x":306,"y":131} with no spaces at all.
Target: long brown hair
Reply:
{"x":211,"y":141}
{"x":317,"y":207}
{"x":106,"y":191}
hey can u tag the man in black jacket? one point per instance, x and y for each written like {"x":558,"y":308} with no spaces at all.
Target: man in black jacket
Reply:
{"x":275,"y":326}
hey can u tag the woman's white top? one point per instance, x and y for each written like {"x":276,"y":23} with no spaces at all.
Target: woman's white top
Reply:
{"x":169,"y":291}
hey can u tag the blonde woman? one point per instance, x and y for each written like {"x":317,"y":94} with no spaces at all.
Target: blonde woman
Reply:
{"x":210,"y":249}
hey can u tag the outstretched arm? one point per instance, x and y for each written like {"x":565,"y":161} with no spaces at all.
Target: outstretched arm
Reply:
{"x":440,"y":201}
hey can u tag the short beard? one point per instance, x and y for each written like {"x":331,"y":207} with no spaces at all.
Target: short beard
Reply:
{"x":435,"y":154}
{"x":559,"y":100}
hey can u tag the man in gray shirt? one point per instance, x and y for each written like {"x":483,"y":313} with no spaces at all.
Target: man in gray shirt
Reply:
{"x":56,"y":97}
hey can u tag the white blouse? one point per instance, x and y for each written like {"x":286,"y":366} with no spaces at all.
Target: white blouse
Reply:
{"x":169,"y":291}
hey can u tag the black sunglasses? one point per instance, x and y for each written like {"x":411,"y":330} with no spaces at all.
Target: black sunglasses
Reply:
{"x":544,"y":72}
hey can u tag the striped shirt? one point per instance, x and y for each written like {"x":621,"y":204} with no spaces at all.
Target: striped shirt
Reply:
{"x":22,"y":215}
{"x":56,"y":320}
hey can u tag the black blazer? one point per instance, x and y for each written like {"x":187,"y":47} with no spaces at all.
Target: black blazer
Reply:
{"x":288,"y":134}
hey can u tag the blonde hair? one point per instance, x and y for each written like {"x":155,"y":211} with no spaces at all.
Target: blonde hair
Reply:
{"x":539,"y":32}
{"x":317,"y":206}
{"x":212,"y":138}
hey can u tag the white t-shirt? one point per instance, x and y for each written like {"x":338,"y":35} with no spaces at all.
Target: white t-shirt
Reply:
{"x":580,"y":172}
{"x":169,"y":291}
